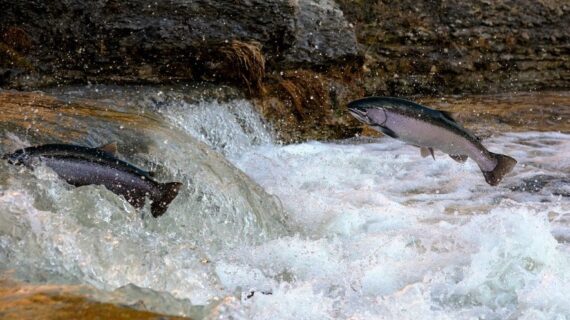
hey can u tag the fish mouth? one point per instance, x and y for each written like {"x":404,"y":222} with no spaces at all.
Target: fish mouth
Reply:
{"x":7,"y":156}
{"x":12,"y":158}
{"x":359,"y":113}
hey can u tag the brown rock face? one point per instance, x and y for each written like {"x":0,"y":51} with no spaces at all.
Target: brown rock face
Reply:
{"x":456,"y":46}
{"x":323,"y":36}
{"x":20,"y":301}
{"x":301,"y":60}
{"x":165,"y":41}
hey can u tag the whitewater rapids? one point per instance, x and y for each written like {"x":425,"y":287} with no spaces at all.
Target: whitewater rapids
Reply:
{"x":373,"y":230}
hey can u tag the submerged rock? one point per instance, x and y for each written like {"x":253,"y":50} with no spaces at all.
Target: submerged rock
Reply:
{"x":555,"y":185}
{"x":53,"y":231}
{"x":244,"y":212}
{"x":26,"y":301}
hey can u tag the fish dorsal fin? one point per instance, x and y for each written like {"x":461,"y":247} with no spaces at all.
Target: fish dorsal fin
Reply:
{"x":109,"y":148}
{"x":458,"y":157}
{"x":472,"y":134}
{"x":476,"y":137}
{"x":426,"y":152}
{"x":448,"y":115}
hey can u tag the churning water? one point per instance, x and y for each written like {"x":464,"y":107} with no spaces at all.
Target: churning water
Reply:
{"x":359,"y":229}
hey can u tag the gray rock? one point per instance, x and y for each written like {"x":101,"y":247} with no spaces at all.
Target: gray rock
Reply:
{"x":321,"y":35}
{"x":162,"y":41}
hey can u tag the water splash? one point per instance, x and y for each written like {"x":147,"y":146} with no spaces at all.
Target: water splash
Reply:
{"x":380,"y":233}
{"x":54,"y":232}
{"x":392,"y":235}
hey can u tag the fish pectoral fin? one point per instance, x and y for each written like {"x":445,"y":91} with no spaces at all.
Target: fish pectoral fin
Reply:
{"x":110,"y":148}
{"x":386,"y":131}
{"x":426,"y":152}
{"x":459,"y":158}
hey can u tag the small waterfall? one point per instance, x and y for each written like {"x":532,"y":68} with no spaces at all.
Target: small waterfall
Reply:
{"x":372,"y":229}
{"x":50,"y":231}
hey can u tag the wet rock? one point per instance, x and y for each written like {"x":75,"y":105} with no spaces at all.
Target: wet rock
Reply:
{"x":557,"y":186}
{"x":543,"y":111}
{"x":508,"y":37}
{"x":534,"y":184}
{"x":26,"y":301}
{"x":165,"y":41}
{"x":243,"y":213}
{"x":323,"y":36}
{"x":305,"y":104}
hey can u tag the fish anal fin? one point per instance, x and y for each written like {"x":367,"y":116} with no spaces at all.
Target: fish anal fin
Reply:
{"x":110,"y":148}
{"x":169,"y":191}
{"x":504,"y":165}
{"x":386,"y":131}
{"x":459,"y":157}
{"x":426,"y":152}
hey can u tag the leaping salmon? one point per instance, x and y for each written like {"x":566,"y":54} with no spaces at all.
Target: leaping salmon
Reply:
{"x":80,"y":166}
{"x":430,"y":129}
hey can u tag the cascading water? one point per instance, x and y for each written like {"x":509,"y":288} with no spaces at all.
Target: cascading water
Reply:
{"x":51,"y":231}
{"x":372,"y":231}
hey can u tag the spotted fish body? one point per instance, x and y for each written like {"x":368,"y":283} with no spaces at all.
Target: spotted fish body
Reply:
{"x":80,"y":166}
{"x":430,"y":129}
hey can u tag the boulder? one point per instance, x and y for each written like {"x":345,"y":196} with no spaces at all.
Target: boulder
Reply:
{"x":136,"y":41}
{"x":322,"y":36}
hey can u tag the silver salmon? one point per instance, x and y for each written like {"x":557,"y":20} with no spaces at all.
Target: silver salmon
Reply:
{"x":430,"y":129}
{"x":80,"y":166}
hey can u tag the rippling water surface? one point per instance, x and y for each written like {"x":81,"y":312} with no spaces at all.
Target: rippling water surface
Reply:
{"x":360,"y":229}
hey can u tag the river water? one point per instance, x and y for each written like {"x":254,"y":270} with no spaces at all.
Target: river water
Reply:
{"x":363,"y":228}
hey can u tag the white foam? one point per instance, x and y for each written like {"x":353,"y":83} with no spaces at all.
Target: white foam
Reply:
{"x":290,"y":302}
{"x":413,"y":238}
{"x":378,"y":232}
{"x":230,"y":128}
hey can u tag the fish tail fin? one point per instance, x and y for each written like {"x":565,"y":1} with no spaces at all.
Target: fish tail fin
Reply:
{"x":504,"y":165}
{"x":169,"y":191}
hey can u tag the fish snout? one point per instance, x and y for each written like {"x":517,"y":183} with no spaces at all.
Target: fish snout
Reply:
{"x":359,"y":113}
{"x":9,"y":157}
{"x":15,"y":158}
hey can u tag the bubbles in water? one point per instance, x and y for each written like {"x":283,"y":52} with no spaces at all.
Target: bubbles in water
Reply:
{"x":54,"y":232}
{"x":379,"y":232}
{"x":230,"y":128}
{"x":400,"y":249}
